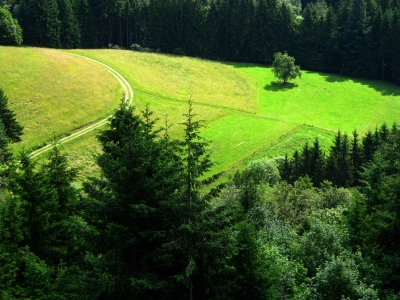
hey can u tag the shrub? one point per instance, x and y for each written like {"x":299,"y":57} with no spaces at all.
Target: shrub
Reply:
{"x":179,"y":51}
{"x":10,"y":31}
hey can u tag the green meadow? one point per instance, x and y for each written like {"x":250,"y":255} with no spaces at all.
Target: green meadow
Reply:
{"x":53,"y":92}
{"x":247,"y":113}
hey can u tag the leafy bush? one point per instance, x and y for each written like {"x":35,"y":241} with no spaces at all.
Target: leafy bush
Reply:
{"x":10,"y":31}
{"x":339,"y":279}
{"x":137,"y":47}
{"x":258,"y":171}
{"x":116,"y":47}
{"x":179,"y":51}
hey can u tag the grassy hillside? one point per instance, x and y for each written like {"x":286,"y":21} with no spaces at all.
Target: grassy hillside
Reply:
{"x":248,"y":114}
{"x":53,"y":92}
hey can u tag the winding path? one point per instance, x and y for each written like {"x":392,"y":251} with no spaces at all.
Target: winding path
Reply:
{"x":128,"y":96}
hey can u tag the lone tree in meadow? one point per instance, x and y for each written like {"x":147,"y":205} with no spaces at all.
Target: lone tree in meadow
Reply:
{"x":284,"y":67}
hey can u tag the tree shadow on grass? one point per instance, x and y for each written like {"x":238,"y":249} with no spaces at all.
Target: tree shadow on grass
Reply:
{"x":383,"y":87}
{"x":276,"y":86}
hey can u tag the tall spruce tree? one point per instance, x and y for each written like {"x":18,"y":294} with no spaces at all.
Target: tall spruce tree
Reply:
{"x":355,"y":38}
{"x":317,"y":164}
{"x":135,"y":201}
{"x":84,"y":12}
{"x":12,"y":128}
{"x":70,"y":35}
{"x":48,"y":24}
{"x":49,"y":202}
{"x":356,"y":159}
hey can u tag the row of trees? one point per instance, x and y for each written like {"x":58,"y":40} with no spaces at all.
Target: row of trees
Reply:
{"x":351,"y":37}
{"x":343,"y":164}
{"x":144,"y":230}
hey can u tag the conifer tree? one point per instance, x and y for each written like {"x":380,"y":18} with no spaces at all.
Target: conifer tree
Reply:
{"x":12,"y":128}
{"x":70,"y":35}
{"x":330,"y":37}
{"x":136,"y":201}
{"x":84,"y":14}
{"x":355,"y":38}
{"x":263,"y":41}
{"x":332,"y":165}
{"x":356,"y":159}
{"x":396,"y":47}
{"x":306,"y":167}
{"x":317,"y":164}
{"x":48,"y":27}
{"x":344,"y":167}
{"x":286,"y":170}
{"x":48,"y":204}
{"x":5,"y":154}
{"x":296,"y":166}
{"x":368,"y":148}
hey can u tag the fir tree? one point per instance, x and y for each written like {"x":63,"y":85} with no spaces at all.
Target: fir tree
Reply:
{"x":48,"y":204}
{"x":368,"y":147}
{"x":12,"y":128}
{"x":70,"y":36}
{"x":317,"y":164}
{"x":355,"y":38}
{"x":356,"y":159}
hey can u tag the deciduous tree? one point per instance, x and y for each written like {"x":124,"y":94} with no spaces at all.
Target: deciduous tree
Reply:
{"x":284,"y":67}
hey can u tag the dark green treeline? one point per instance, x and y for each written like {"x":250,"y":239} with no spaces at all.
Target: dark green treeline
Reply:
{"x":351,"y":37}
{"x":342,"y":165}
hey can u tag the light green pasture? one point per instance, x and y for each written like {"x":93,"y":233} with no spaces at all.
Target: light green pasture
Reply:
{"x":53,"y":92}
{"x":247,"y":113}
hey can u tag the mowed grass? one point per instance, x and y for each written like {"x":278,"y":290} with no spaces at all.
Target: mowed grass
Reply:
{"x":327,"y":101}
{"x":248,"y":114}
{"x":53,"y":93}
{"x":179,"y":78}
{"x":252,"y":116}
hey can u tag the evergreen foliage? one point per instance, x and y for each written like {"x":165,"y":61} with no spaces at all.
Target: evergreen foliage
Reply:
{"x":144,"y":229}
{"x":343,"y":165}
{"x":12,"y":128}
{"x":70,"y":35}
{"x":352,"y":37}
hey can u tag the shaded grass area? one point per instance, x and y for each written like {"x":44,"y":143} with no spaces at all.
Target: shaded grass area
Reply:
{"x":327,"y":101}
{"x":53,"y":93}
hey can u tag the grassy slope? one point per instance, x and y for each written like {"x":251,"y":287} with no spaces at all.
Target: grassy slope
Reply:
{"x":327,"y":101}
{"x":54,"y":92}
{"x":248,"y":114}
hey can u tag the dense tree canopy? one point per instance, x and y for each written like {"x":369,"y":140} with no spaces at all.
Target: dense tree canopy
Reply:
{"x":351,"y":37}
{"x":312,"y":225}
{"x":143,"y":229}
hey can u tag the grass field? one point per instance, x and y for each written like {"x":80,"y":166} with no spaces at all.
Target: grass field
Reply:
{"x":248,"y":115}
{"x":53,"y":92}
